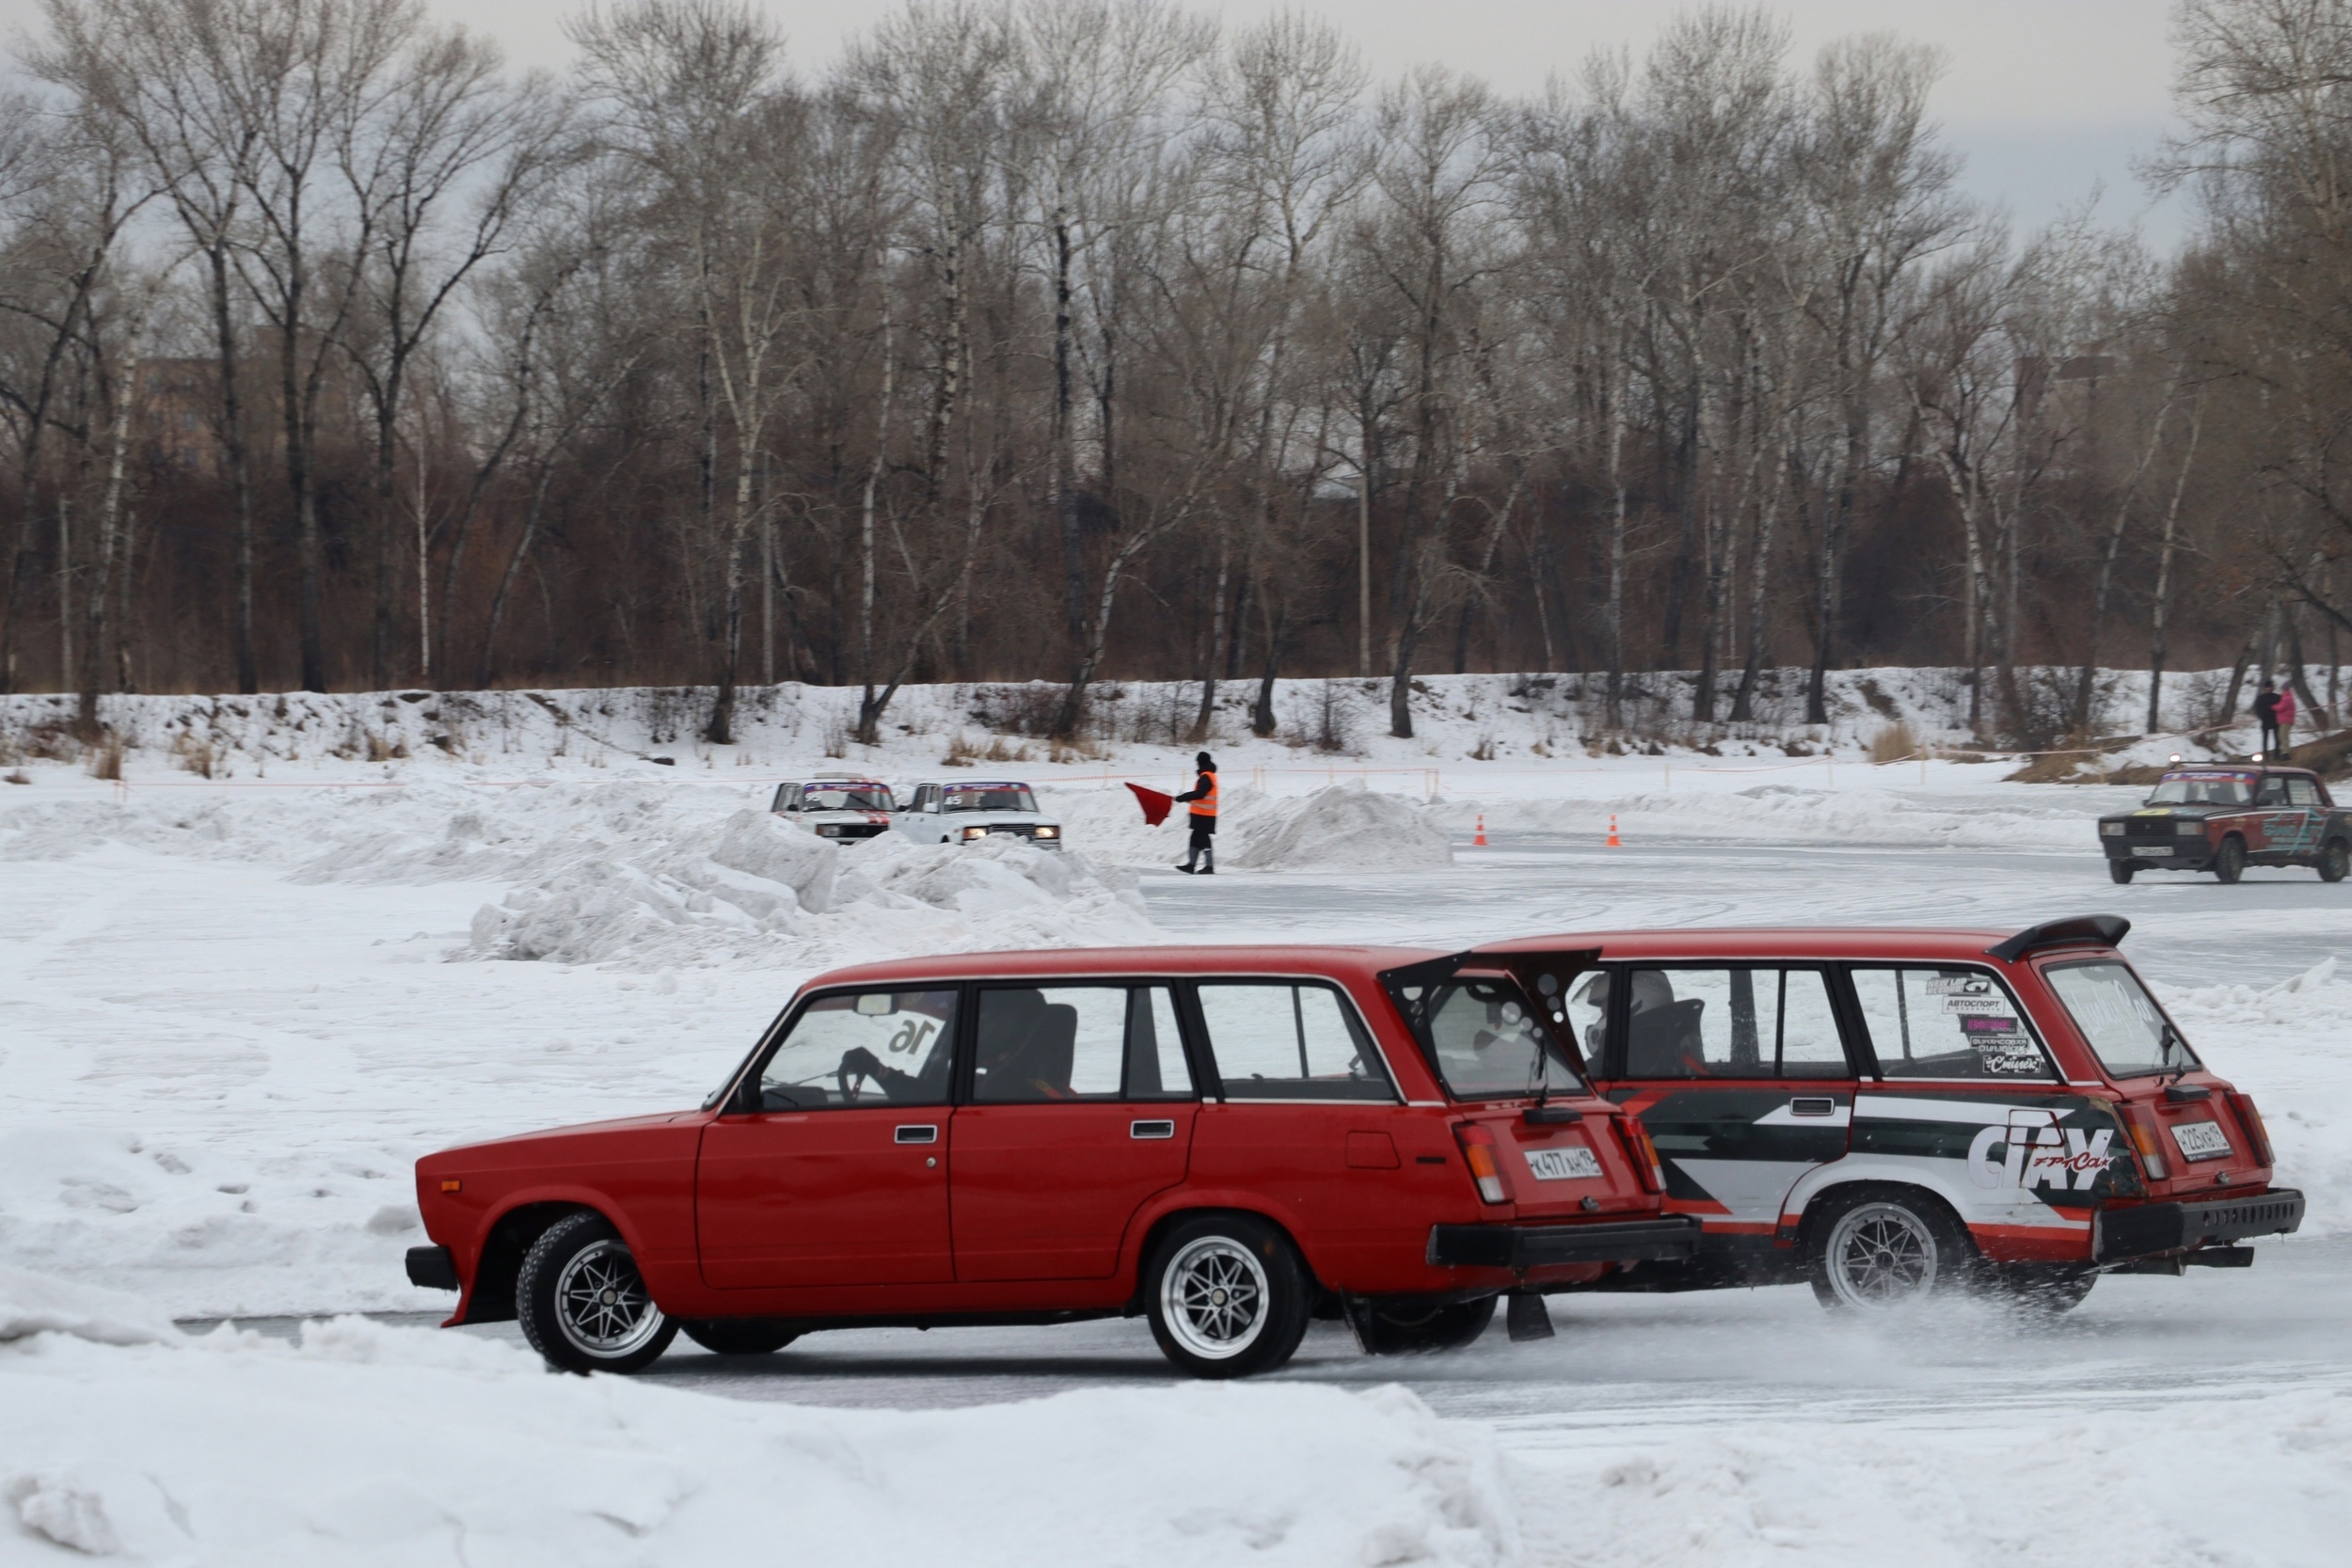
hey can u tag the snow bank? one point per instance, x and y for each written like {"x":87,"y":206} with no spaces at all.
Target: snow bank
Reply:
{"x":363,"y":1444}
{"x":38,"y":1304}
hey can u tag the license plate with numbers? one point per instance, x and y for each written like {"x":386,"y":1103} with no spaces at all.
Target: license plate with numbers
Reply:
{"x":1563,"y":1164}
{"x":2152,"y":848}
{"x":2201,"y":1140}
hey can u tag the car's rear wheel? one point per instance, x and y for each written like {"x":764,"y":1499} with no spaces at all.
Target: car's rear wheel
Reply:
{"x":1408,"y":1328}
{"x":583,"y":1305}
{"x":2121,"y":871}
{"x":2335,"y":861}
{"x":739,"y":1335}
{"x":2229,"y":865}
{"x":2050,"y":1288}
{"x":1227,"y":1296}
{"x":1880,"y":1251}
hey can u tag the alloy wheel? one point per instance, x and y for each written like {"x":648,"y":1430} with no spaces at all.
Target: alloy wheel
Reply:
{"x":601,"y":1304}
{"x":1212,"y":1295}
{"x":1881,"y":1254}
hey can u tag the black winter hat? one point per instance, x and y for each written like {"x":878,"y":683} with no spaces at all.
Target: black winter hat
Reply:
{"x":1205,"y":762}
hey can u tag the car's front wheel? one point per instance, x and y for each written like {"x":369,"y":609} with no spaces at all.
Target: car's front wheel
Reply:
{"x":1227,"y":1296}
{"x":2121,"y":871}
{"x":1404,"y":1328}
{"x":1881,"y":1251}
{"x":739,"y":1335}
{"x":583,"y":1304}
{"x":2230,"y":864}
{"x":2334,"y":861}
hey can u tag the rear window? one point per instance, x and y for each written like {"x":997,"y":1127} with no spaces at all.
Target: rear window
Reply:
{"x":2127,"y":1029}
{"x":1486,"y":1042}
{"x":1280,"y":1040}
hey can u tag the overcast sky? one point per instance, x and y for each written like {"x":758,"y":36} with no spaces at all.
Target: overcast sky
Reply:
{"x":2045,"y":98}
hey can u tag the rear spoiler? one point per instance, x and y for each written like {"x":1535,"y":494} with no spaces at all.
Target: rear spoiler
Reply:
{"x":2084,"y":931}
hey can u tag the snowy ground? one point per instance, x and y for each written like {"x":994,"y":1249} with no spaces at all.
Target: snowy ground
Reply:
{"x":231,"y":1017}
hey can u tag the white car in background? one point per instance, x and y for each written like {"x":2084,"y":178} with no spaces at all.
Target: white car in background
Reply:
{"x":835,"y":805}
{"x":964,"y":811}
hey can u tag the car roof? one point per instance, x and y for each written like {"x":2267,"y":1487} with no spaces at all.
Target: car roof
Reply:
{"x":2263,"y":767}
{"x":1300,"y":958}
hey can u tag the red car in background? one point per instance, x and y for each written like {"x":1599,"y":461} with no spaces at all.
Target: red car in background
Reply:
{"x":1227,"y":1141}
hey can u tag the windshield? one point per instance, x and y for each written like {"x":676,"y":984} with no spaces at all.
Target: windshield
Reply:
{"x":991,"y":798}
{"x":846,"y":797}
{"x":1486,"y":1043}
{"x":2203,"y":789}
{"x":2119,"y":1019}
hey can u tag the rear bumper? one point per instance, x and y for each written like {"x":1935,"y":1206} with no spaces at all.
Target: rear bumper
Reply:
{"x":1536,"y":1247}
{"x":432,"y":1268}
{"x":2149,"y":1229}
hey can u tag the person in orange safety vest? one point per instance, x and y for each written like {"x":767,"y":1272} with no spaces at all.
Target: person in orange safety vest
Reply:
{"x":1200,"y":853}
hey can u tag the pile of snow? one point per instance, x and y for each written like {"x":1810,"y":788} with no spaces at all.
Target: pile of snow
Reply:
{"x":38,"y":1304}
{"x":1340,"y":828}
{"x":2263,"y":1041}
{"x":633,"y":873}
{"x":363,"y":1444}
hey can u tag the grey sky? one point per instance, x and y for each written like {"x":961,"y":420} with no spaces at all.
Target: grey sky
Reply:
{"x":2046,"y":98}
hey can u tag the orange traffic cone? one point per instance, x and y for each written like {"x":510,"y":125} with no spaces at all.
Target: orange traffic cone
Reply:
{"x":1613,"y":831}
{"x":1481,"y":839}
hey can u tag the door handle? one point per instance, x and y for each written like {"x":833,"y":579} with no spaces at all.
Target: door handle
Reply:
{"x":925,"y":1134}
{"x":1813,"y":1105}
{"x":1150,"y":1130}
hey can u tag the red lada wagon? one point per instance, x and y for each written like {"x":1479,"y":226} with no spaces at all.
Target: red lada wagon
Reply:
{"x":1227,"y":1141}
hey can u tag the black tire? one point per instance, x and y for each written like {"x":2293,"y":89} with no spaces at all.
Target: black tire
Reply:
{"x":2229,"y":864}
{"x":2334,"y":861}
{"x":583,"y":1304}
{"x":2047,"y":1289}
{"x":739,"y":1335}
{"x":1411,"y":1328}
{"x":1227,"y":1296}
{"x":2121,"y":871}
{"x":1881,"y":1250}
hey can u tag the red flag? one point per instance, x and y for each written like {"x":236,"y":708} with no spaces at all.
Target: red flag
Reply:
{"x":1156,"y":805}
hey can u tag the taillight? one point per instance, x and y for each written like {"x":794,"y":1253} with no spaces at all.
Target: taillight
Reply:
{"x":1645,"y":1164}
{"x":2256,"y":1134}
{"x":1478,"y":1150}
{"x":2145,"y":1133}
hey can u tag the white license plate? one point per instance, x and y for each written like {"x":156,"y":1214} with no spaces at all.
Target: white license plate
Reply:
{"x":2157,"y":849}
{"x":1563,"y":1164}
{"x":2201,"y":1140}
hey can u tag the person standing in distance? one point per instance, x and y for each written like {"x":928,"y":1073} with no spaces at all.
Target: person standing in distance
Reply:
{"x":1200,"y":852}
{"x":2267,"y":711}
{"x":2285,"y":712}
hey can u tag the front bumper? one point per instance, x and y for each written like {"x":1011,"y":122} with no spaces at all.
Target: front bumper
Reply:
{"x":2149,"y":1229}
{"x":2186,"y":854}
{"x":1669,"y":1239}
{"x":432,"y":1268}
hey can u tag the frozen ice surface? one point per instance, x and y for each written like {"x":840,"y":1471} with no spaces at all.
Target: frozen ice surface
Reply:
{"x":232,"y":1013}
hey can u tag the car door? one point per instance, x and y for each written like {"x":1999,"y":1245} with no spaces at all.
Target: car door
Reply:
{"x":830,"y":1167}
{"x":1738,"y":1071}
{"x":2275,"y":829}
{"x":1080,"y":1108}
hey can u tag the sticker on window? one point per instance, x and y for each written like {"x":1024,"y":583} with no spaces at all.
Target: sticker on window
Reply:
{"x":2201,"y":1140}
{"x":2002,"y":1045}
{"x":1976,"y":1003}
{"x":1563,"y":1164}
{"x":1960,"y":984}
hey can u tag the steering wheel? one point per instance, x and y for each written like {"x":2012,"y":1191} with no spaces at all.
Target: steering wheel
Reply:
{"x":852,"y":1070}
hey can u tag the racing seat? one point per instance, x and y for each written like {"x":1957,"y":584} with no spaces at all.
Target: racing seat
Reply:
{"x":1009,"y":1022}
{"x":1663,"y":1041}
{"x":1043,"y":1069}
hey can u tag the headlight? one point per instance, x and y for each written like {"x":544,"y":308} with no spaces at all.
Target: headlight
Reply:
{"x":829,"y":831}
{"x":2190,"y":827}
{"x":1049,"y":833}
{"x":974,"y":832}
{"x":2113,"y":829}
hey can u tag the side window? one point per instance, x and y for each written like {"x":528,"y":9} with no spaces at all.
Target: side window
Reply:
{"x":2302,"y":792}
{"x":787,"y":798}
{"x":863,"y":1048}
{"x":1039,"y":1044}
{"x":1588,"y":1018}
{"x":1274,"y":1040}
{"x":1945,"y":1023}
{"x":2274,"y":793}
{"x":1731,"y":1023}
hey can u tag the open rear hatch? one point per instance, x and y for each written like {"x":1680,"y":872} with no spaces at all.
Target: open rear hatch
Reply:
{"x":1539,"y":1144}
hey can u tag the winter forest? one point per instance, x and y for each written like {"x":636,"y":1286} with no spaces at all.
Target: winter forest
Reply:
{"x":1078,"y":340}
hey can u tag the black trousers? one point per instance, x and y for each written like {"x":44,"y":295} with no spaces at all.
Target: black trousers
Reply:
{"x":1203,"y":833}
{"x":2270,"y":736}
